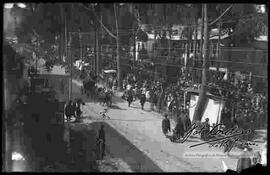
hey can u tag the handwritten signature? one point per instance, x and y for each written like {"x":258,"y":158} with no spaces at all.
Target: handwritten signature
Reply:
{"x":229,"y":138}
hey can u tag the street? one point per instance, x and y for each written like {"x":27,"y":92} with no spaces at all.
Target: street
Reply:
{"x":149,"y":149}
{"x":131,"y":87}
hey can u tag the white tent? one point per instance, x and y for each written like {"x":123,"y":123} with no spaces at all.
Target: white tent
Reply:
{"x":212,"y":110}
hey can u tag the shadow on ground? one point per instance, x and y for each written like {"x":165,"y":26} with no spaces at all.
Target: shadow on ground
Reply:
{"x":116,"y":107}
{"x":118,"y":146}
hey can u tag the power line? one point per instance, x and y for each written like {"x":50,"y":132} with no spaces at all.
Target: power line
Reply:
{"x":198,"y":68}
{"x":181,"y":58}
{"x":182,"y":48}
{"x":163,"y":28}
{"x":234,"y":49}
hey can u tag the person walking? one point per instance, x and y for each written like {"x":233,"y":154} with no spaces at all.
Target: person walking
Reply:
{"x":130,"y":97}
{"x":206,"y":129}
{"x":143,"y":100}
{"x":68,"y":110}
{"x":179,"y":128}
{"x":187,"y":121}
{"x":101,"y":141}
{"x":166,"y":126}
{"x":73,"y":112}
{"x":160,"y":100}
{"x":151,"y":93}
{"x":78,"y":109}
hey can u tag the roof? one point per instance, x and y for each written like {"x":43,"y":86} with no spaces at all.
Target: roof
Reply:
{"x":209,"y":95}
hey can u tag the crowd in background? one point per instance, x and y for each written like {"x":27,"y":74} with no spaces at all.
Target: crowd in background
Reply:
{"x":243,"y":105}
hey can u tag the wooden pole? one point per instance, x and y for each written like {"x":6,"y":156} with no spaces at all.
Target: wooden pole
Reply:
{"x":218,"y":45}
{"x":202,"y":94}
{"x":134,"y":49}
{"x":70,"y":68}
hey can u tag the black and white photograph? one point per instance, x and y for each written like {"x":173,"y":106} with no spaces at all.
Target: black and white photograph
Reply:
{"x":134,"y":87}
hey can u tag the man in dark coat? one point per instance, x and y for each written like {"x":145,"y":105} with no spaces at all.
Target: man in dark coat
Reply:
{"x":68,"y":110}
{"x":151,"y":93}
{"x":130,"y":97}
{"x":206,"y":129}
{"x":78,"y":109}
{"x":73,"y":112}
{"x":143,"y":100}
{"x":166,"y":126}
{"x":187,"y":121}
{"x":179,"y":128}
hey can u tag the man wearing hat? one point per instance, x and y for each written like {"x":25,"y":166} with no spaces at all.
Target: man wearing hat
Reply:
{"x":166,"y":126}
{"x":206,"y":129}
{"x":142,"y":100}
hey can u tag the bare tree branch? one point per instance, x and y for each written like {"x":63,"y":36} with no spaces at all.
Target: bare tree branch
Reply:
{"x":213,"y":22}
{"x":107,"y":30}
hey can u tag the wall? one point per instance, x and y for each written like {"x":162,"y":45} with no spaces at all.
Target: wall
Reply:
{"x":55,"y":81}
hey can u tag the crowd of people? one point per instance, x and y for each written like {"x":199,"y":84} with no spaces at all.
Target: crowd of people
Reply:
{"x":244,"y":106}
{"x":73,"y":108}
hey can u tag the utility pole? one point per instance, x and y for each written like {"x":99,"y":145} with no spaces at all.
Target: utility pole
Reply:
{"x":36,"y":55}
{"x":117,"y":50}
{"x":80,"y":40}
{"x":218,"y":44}
{"x":134,"y":49}
{"x":202,"y":94}
{"x":70,"y":68}
{"x":97,"y":41}
{"x":201,"y":45}
{"x":194,"y":51}
{"x":65,"y":40}
{"x":95,"y":51}
{"x":70,"y":57}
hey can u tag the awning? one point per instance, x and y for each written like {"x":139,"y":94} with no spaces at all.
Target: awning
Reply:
{"x":109,"y":71}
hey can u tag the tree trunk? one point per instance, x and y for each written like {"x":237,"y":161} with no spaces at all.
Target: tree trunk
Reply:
{"x":202,"y":95}
{"x":117,"y":51}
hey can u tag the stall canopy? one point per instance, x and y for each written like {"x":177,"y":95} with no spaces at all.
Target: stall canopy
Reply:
{"x":212,"y":110}
{"x":109,"y":71}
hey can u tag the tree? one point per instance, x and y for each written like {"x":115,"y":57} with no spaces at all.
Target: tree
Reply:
{"x":242,"y":31}
{"x":243,"y":22}
{"x":116,"y":28}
